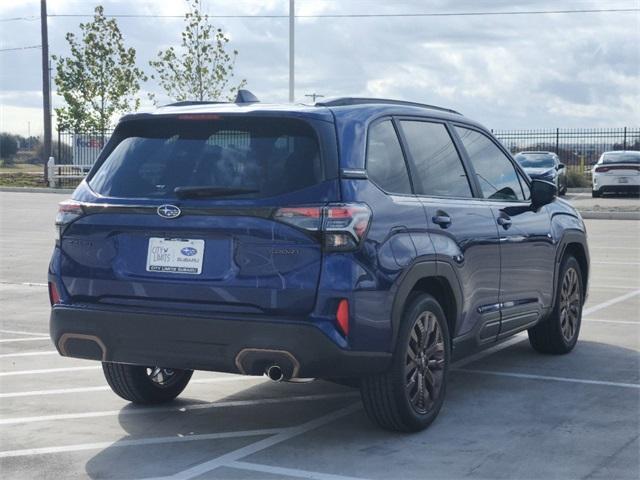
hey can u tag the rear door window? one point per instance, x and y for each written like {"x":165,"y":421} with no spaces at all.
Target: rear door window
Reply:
{"x":496,"y":174}
{"x":266,"y":156}
{"x":385,"y":162}
{"x":436,"y":166}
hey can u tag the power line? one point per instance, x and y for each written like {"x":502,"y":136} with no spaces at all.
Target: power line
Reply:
{"x":19,"y":48}
{"x":357,"y":15}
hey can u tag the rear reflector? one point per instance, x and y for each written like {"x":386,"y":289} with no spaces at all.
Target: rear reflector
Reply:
{"x":54,"y":296}
{"x":342,"y":316}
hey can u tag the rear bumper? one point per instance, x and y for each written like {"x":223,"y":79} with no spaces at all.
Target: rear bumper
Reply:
{"x":235,"y":345}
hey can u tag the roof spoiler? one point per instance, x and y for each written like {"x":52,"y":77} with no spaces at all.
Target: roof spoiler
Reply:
{"x":243,"y":96}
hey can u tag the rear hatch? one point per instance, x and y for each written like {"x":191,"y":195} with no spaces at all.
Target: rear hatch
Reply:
{"x":623,"y":165}
{"x":189,"y":212}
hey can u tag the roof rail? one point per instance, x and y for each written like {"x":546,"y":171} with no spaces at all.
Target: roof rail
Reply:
{"x":344,"y":101}
{"x":243,"y":96}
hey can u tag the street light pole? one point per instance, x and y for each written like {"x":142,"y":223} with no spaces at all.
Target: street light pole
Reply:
{"x":292,"y":26}
{"x":46,"y":94}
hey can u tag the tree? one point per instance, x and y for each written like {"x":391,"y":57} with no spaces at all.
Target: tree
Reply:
{"x":203,"y":69}
{"x":99,"y":79}
{"x":8,"y":146}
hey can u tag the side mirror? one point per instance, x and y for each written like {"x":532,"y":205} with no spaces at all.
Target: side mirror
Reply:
{"x":561,"y":166}
{"x":542,"y":192}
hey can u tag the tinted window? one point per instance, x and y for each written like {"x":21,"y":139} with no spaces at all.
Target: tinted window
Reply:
{"x":438,"y":168}
{"x":535,"y":160}
{"x":385,"y":161}
{"x":496,"y":175}
{"x":621,"y":157}
{"x":153,"y":157}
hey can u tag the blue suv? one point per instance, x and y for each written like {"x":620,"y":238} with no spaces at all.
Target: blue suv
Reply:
{"x":358,"y":240}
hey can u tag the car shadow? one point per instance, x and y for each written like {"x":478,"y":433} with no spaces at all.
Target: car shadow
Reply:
{"x":472,"y":397}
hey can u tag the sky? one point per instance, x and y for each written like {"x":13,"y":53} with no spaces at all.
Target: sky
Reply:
{"x":505,"y":71}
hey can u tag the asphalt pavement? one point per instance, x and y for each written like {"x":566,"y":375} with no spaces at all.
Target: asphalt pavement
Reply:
{"x":510,"y":412}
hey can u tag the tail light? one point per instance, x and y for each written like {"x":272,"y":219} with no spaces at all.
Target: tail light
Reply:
{"x":68,"y":211}
{"x":342,"y":226}
{"x":342,"y":316}
{"x":54,"y":296}
{"x":602,"y":169}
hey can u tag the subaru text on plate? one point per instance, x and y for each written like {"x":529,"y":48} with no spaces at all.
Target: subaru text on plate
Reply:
{"x":366,"y":241}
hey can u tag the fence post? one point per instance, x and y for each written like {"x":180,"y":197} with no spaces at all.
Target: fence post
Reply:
{"x":557,"y":140}
{"x":51,"y":172}
{"x":625,"y":139}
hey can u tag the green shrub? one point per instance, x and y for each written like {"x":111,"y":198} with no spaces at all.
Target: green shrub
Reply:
{"x":575,"y":179}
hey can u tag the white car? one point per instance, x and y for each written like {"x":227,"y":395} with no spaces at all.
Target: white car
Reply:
{"x":617,"y":171}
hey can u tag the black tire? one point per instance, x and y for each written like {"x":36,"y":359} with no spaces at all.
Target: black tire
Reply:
{"x":596,"y":193}
{"x":135,"y":383}
{"x":387,"y":397}
{"x":558,"y":333}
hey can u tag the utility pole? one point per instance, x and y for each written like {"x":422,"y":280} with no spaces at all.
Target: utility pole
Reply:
{"x":46,"y":94}
{"x":292,"y":43}
{"x":313,"y":96}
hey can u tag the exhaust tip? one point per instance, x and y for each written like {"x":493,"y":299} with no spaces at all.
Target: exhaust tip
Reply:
{"x":275,"y":373}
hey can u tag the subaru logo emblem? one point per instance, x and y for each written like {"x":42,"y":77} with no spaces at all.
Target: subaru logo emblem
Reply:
{"x":188,"y":251}
{"x":168,"y":211}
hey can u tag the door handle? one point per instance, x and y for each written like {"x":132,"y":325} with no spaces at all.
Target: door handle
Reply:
{"x":505,"y":222}
{"x":442,"y":219}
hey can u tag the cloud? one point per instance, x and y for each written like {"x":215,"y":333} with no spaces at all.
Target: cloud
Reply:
{"x":505,"y":71}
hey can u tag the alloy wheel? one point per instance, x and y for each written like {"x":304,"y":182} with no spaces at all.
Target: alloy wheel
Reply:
{"x":162,"y":377}
{"x":570,"y":299}
{"x":424,"y":363}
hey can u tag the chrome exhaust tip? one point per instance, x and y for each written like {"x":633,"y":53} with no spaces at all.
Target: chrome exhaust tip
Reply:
{"x":275,"y":373}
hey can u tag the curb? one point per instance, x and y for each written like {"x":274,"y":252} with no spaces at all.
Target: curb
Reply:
{"x":65,"y":191}
{"x":579,"y":190}
{"x":599,"y":215}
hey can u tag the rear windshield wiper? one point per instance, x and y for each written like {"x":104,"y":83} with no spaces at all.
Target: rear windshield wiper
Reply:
{"x":202,"y":192}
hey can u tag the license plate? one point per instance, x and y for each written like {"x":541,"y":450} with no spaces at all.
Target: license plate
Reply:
{"x":623,"y":180}
{"x":175,"y":255}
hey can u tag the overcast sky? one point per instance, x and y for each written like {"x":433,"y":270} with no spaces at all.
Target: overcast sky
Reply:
{"x":523,"y":71}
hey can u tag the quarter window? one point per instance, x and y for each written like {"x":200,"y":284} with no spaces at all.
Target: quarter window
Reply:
{"x":385,"y":161}
{"x":436,"y":167}
{"x":496,"y":174}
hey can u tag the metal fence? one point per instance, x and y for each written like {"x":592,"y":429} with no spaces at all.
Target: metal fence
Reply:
{"x":577,"y":147}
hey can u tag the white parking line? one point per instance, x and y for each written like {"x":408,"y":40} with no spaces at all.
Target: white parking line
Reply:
{"x":20,"y":332}
{"x":288,"y":472}
{"x":137,"y":442}
{"x":608,"y":303}
{"x":28,"y":354}
{"x":186,"y":408}
{"x":286,"y":434}
{"x":30,"y":339}
{"x":614,"y":263}
{"x":25,"y":284}
{"x":60,"y":391}
{"x":546,"y":377}
{"x":49,"y":370}
{"x":601,"y":320}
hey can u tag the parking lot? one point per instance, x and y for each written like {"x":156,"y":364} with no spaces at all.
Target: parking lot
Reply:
{"x":510,"y":412}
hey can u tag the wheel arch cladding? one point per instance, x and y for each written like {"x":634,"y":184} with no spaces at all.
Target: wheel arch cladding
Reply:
{"x":577,"y":250}
{"x":435,"y":278}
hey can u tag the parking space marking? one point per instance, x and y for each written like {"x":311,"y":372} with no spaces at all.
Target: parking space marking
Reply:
{"x":28,"y":354}
{"x":24,"y":284}
{"x":615,"y":263}
{"x":283,"y":436}
{"x":288,"y":472}
{"x":489,"y":351}
{"x":49,"y":370}
{"x":601,"y":320}
{"x":61,"y":391}
{"x":185,"y":408}
{"x":29,"y":339}
{"x":137,"y":442}
{"x":608,"y":303}
{"x":20,"y":332}
{"x":546,"y":377}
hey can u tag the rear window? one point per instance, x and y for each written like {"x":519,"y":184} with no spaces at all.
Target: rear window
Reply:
{"x":265,"y":156}
{"x":621,"y":157}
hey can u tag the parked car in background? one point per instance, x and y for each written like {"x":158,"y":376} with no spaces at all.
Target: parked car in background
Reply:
{"x":368,"y":241}
{"x":545,"y":166}
{"x":616,"y":172}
